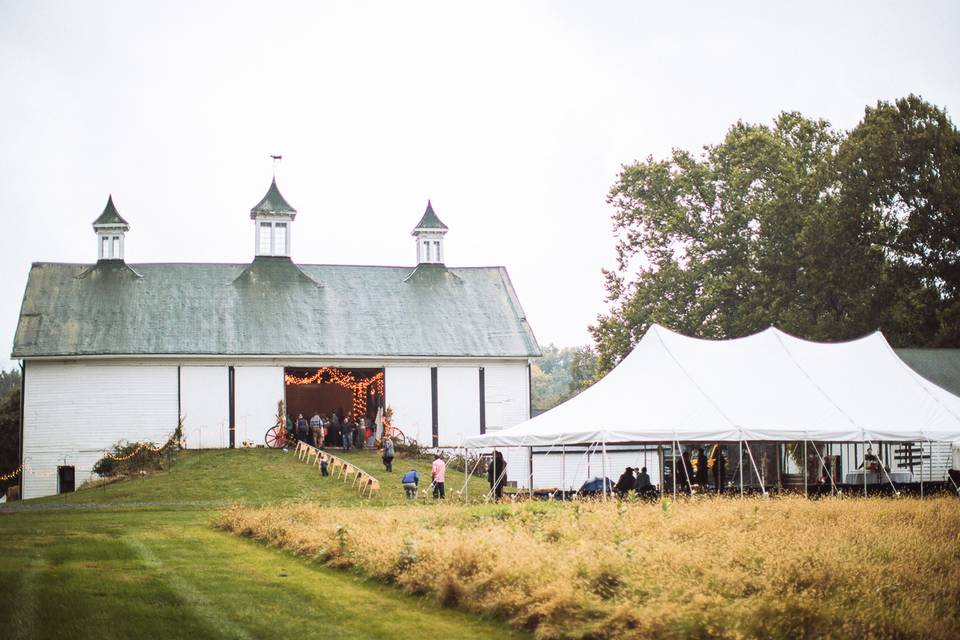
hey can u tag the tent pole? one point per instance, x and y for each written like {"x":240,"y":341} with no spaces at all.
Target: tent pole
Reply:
{"x":921,"y":468}
{"x":763,"y":489}
{"x":864,"y":468}
{"x":806,"y":493}
{"x":530,"y":468}
{"x":673,"y":468}
{"x":660,"y":467}
{"x":466,"y":481}
{"x":563,"y":473}
{"x":603,"y":444}
{"x":686,"y":474}
{"x":740,"y":451}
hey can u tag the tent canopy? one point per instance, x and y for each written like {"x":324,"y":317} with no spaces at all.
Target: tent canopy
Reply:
{"x":768,"y":386}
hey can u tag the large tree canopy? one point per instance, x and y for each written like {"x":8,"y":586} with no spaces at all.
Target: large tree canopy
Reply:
{"x":827,"y":235}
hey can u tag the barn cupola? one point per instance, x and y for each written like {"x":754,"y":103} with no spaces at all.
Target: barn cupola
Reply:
{"x":110,"y":229}
{"x":272,"y":219}
{"x":429,"y":234}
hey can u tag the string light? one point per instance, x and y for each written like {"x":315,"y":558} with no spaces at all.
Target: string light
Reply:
{"x":12,"y":474}
{"x":360,"y":388}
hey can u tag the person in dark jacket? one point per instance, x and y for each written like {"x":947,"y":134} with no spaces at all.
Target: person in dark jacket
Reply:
{"x":497,"y":474}
{"x":719,"y":470}
{"x":625,"y":483}
{"x":303,"y":431}
{"x":335,"y":428}
{"x":346,"y":433}
{"x":643,"y":485}
{"x":388,"y":454}
{"x":701,"y":469}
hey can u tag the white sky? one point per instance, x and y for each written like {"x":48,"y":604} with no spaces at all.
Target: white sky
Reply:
{"x":513,"y":117}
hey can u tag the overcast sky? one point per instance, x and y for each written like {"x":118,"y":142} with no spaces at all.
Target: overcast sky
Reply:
{"x":513,"y":117}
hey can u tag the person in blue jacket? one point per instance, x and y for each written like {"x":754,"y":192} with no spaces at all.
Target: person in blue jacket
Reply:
{"x":411,"y":480}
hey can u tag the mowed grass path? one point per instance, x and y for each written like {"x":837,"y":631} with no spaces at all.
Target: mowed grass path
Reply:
{"x":116,"y":571}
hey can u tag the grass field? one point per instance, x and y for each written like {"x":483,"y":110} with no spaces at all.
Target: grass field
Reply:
{"x":84,"y":565}
{"x":713,"y":567}
{"x":153,"y":557}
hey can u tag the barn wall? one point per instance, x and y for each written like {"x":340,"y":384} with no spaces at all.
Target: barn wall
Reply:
{"x":204,"y":404}
{"x":458,"y":396}
{"x":407,"y":392}
{"x":507,"y":404}
{"x":74,"y":412}
{"x":257,"y":389}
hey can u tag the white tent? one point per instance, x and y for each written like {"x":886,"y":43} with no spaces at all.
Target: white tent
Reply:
{"x":766,"y":387}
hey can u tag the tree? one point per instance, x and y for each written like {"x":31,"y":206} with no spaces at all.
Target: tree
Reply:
{"x":9,"y":437}
{"x":9,"y":380}
{"x":560,"y":374}
{"x":827,"y":235}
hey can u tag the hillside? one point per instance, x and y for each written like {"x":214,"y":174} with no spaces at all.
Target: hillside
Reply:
{"x":257,"y":476}
{"x":139,"y":559}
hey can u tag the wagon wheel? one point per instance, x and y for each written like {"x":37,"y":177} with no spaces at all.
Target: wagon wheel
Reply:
{"x":276,"y":437}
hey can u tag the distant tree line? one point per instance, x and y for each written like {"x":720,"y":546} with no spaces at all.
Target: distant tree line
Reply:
{"x":828,"y":235}
{"x":560,"y":374}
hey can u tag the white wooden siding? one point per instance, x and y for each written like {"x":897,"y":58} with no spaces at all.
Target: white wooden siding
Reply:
{"x":458,"y":404}
{"x":256,"y":393}
{"x":204,"y":404}
{"x":74,"y":412}
{"x":507,"y":395}
{"x":407,"y":392}
{"x":507,"y":403}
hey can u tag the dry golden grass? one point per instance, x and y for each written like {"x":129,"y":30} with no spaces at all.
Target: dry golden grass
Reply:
{"x":721,"y":567}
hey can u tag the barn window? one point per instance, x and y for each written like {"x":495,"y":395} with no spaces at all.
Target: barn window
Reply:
{"x":266,"y":239}
{"x":280,"y":239}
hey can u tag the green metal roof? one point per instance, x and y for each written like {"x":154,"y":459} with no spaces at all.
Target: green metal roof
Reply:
{"x":272,"y":203}
{"x":939,"y":366}
{"x":429,"y":220}
{"x":270,"y":307}
{"x":110,"y":215}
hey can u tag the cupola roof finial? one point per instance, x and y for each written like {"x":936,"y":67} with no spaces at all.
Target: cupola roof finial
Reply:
{"x":110,"y":215}
{"x":429,"y":221}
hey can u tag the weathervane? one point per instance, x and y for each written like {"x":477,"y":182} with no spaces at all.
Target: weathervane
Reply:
{"x":275,"y":158}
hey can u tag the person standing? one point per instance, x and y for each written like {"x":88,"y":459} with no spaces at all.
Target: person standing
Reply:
{"x":302,"y":430}
{"x":346,"y":433}
{"x":335,"y":428}
{"x":497,"y":475}
{"x":437,"y":472}
{"x":388,"y":454}
{"x":701,"y":469}
{"x":720,"y":470}
{"x":316,"y":430}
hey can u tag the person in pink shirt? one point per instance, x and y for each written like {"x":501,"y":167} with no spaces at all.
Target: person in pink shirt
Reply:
{"x":437,"y":472}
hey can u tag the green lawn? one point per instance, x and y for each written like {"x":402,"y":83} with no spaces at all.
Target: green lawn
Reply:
{"x":161,"y":570}
{"x":257,"y":476}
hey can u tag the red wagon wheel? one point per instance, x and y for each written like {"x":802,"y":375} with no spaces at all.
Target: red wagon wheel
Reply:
{"x":276,"y":438}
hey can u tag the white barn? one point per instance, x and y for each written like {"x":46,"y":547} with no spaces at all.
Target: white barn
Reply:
{"x":115,"y":351}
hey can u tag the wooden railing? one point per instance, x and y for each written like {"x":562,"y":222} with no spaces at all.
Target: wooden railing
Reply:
{"x":339,"y":468}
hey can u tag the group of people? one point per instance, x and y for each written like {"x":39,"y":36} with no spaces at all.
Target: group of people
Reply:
{"x":639,"y":483}
{"x":323,"y":430}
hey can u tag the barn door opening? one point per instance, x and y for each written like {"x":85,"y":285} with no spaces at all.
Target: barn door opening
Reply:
{"x":65,"y":479}
{"x":328,"y":390}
